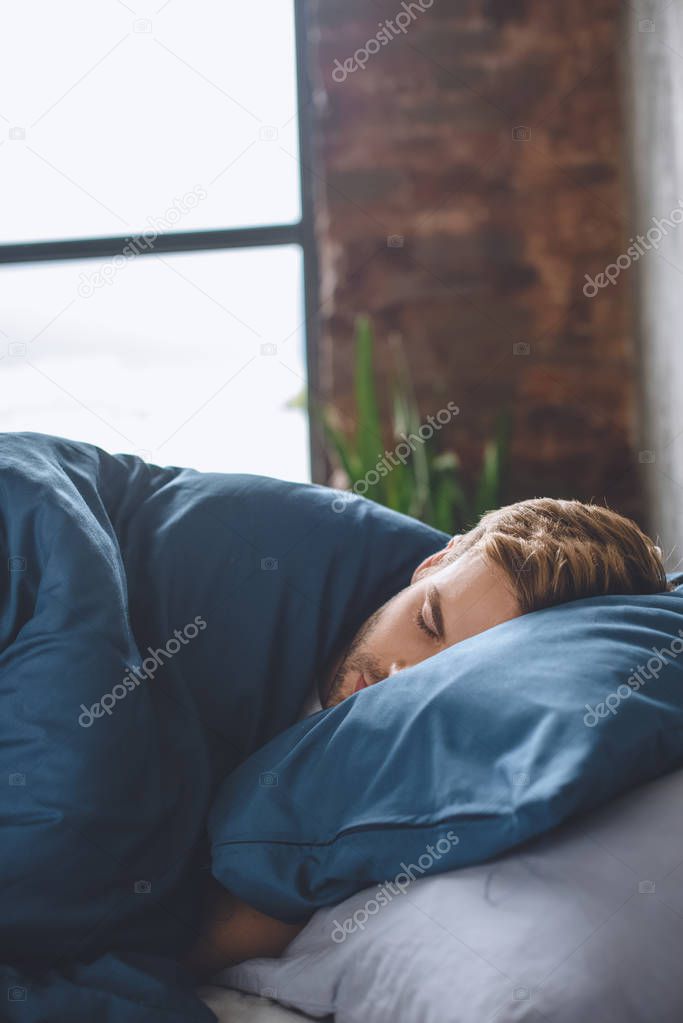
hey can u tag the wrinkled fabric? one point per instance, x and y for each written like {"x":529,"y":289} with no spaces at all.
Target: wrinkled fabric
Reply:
{"x":157,"y":625}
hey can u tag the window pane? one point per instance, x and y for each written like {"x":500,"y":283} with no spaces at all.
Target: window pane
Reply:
{"x":111,"y":117}
{"x":185,"y":359}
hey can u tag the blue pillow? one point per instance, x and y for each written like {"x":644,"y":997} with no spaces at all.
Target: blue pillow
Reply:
{"x":483,"y":746}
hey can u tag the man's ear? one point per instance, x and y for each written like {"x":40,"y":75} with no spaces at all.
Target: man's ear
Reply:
{"x":433,"y":560}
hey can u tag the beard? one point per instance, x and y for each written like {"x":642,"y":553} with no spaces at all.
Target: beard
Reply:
{"x":357,"y":661}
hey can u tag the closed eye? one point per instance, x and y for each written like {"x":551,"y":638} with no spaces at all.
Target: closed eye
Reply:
{"x":421,"y":624}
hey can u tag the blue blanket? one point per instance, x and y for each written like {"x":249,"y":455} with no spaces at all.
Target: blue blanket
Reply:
{"x":156,"y":627}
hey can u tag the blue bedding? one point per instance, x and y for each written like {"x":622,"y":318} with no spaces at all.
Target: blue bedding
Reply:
{"x":157,"y":626}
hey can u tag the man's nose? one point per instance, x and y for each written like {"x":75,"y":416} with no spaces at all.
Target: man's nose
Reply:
{"x":397,"y":666}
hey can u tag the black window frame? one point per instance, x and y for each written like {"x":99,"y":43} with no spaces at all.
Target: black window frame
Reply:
{"x":301,"y":232}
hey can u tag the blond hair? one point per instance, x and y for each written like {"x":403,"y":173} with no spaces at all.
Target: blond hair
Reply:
{"x":554,"y":551}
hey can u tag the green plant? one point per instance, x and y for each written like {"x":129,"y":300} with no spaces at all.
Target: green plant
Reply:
{"x":428,"y":484}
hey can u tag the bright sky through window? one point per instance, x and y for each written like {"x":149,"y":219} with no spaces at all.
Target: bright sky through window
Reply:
{"x":137,"y":119}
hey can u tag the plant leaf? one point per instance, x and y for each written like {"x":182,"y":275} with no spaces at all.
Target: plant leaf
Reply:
{"x":489,"y":487}
{"x":368,"y":430}
{"x":343,"y":449}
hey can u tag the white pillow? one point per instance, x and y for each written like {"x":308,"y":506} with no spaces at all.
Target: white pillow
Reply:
{"x":584,"y":924}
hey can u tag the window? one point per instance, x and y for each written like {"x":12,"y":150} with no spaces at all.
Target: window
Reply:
{"x":155,"y":235}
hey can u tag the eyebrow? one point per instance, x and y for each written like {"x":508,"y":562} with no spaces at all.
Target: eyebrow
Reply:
{"x":434,"y":600}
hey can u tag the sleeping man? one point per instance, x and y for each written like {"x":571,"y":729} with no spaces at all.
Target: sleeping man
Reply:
{"x":519,"y":559}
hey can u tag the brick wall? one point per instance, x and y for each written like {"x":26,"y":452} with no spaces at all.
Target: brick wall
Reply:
{"x":467,"y":179}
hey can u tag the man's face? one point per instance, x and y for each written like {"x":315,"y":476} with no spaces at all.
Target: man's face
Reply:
{"x":442,"y":606}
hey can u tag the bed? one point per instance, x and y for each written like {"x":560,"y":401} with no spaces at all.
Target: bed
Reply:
{"x":128,"y":624}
